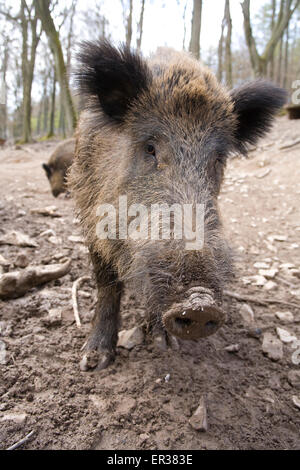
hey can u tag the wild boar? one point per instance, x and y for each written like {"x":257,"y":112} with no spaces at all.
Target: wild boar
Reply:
{"x":58,"y":165}
{"x":158,"y":132}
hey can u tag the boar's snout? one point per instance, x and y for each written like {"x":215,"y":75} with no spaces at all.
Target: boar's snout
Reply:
{"x":196,"y":317}
{"x":56,"y":192}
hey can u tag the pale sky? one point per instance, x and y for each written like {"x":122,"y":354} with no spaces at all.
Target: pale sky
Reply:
{"x":163,"y":21}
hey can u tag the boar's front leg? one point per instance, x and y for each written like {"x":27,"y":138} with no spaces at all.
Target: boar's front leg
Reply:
{"x":99,"y":350}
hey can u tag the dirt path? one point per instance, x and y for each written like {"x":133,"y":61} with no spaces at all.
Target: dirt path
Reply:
{"x":130,"y":405}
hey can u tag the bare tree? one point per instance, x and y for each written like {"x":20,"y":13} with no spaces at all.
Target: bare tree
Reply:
{"x":71,"y":15}
{"x":27,"y":21}
{"x":45,"y":101}
{"x":279,"y":64}
{"x":3,"y":86}
{"x":228,"y":58}
{"x":226,"y":23}
{"x":184,"y":25}
{"x":71,"y":33}
{"x":286,"y":58}
{"x":52,"y":108}
{"x":98,"y":23}
{"x":273,"y":17}
{"x":17,"y":118}
{"x":260,"y":62}
{"x":294,"y":59}
{"x":127,"y":6}
{"x":140,"y":26}
{"x":196,"y":29}
{"x":220,"y":52}
{"x":44,"y":13}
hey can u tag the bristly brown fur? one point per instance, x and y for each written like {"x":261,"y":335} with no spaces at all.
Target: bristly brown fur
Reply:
{"x":176,"y":104}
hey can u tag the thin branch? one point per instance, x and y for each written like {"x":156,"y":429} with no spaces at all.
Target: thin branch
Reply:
{"x":263,"y":302}
{"x":28,"y":9}
{"x":290,"y":144}
{"x":21,"y":442}
{"x":74,"y":298}
{"x":10,"y":17}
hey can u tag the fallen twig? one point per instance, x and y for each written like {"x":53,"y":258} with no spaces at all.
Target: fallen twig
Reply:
{"x":17,"y":283}
{"x":264,"y":302}
{"x":289,"y":145}
{"x":287,"y":283}
{"x":74,"y":297}
{"x":264,"y":173}
{"x":21,"y":442}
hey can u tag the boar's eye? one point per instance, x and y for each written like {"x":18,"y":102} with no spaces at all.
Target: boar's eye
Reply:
{"x":150,"y":150}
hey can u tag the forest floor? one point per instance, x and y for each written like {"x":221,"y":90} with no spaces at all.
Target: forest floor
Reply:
{"x":146,"y":398}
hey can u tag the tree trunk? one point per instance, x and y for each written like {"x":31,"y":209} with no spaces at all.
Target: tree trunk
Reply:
{"x":62,"y":122}
{"x":254,"y":57}
{"x":141,"y":24}
{"x":220,"y":53}
{"x":228,"y":57}
{"x":39,"y":119}
{"x":129,"y":25}
{"x":45,"y":101}
{"x":28,"y":64}
{"x":26,"y":101}
{"x":260,"y":62}
{"x":43,"y":9}
{"x":184,"y":25}
{"x":279,"y":65}
{"x":52,"y":112}
{"x":3,"y":91}
{"x":194,"y":47}
{"x":272,"y":71}
{"x":70,"y":35}
{"x":286,"y":58}
{"x":46,"y":114}
{"x":294,"y":58}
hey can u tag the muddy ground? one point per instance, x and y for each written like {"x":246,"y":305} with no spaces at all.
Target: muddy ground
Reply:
{"x":250,"y":398}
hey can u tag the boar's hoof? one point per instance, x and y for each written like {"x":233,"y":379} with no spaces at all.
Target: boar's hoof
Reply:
{"x":96,"y":360}
{"x":195,"y":318}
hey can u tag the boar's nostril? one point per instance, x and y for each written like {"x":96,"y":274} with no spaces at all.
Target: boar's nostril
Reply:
{"x":183,"y":321}
{"x":211,"y":325}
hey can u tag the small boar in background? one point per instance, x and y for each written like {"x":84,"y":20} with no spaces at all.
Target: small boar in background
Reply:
{"x":58,"y":165}
{"x":159,"y":131}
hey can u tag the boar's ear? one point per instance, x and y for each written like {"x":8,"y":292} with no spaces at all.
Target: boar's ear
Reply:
{"x":255,"y":104}
{"x":112,"y":77}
